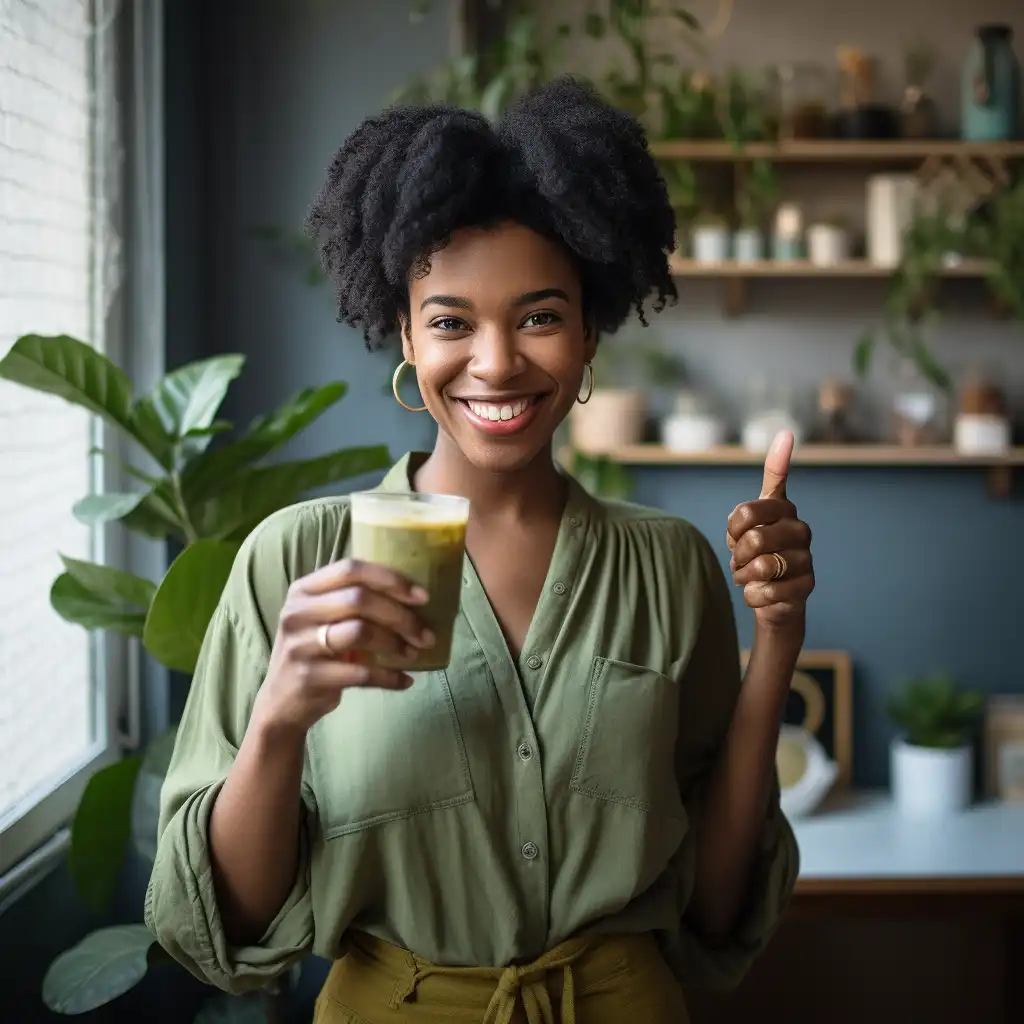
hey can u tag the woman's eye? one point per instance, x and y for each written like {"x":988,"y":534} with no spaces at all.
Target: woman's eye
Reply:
{"x":540,"y":320}
{"x":449,"y":323}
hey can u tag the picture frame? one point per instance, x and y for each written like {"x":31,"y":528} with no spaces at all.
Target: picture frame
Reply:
{"x":1004,"y":748}
{"x":821,"y":698}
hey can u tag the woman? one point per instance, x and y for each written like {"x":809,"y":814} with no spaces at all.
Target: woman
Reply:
{"x":580,"y":812}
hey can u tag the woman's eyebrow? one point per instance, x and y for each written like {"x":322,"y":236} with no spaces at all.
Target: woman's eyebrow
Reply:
{"x":452,"y":301}
{"x":528,"y":298}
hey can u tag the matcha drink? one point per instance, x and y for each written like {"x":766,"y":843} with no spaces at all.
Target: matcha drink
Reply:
{"x":423,"y":537}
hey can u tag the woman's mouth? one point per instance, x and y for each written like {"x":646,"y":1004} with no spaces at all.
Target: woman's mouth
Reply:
{"x":501,"y":417}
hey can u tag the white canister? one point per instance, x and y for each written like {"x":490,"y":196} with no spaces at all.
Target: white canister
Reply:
{"x":827,"y":245}
{"x":929,"y":782}
{"x":891,"y":204}
{"x":710,"y":243}
{"x":979,"y":434}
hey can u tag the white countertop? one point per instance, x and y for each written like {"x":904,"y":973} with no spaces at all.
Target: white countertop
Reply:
{"x":860,"y":836}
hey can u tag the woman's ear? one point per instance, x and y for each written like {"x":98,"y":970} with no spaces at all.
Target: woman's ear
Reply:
{"x":407,"y":350}
{"x":590,"y":339}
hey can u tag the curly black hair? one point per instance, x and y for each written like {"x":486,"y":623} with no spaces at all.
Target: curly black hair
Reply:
{"x":561,"y":161}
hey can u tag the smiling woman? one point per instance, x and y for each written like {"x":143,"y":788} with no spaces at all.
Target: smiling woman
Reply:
{"x":579,"y":808}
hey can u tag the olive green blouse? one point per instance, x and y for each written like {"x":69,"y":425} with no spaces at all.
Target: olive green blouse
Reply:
{"x":498,"y":807}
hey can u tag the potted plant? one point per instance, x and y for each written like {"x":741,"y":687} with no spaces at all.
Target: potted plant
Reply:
{"x":709,"y":238}
{"x":613,"y":416}
{"x":828,"y":241}
{"x":206,"y":500}
{"x":758,"y":195}
{"x":931,"y":761}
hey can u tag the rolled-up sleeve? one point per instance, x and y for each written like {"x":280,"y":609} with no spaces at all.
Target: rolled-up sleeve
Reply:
{"x":712,"y":682}
{"x":181,"y":903}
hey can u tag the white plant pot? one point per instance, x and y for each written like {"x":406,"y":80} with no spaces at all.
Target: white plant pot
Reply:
{"x":710,"y":244}
{"x":692,"y":432}
{"x":748,"y":246}
{"x":930,"y":783}
{"x":827,"y":245}
{"x":611,"y":419}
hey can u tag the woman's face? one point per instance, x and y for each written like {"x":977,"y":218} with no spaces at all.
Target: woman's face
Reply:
{"x":496,"y":334}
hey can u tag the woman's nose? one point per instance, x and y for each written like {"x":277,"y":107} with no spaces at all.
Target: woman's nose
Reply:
{"x":496,"y":358}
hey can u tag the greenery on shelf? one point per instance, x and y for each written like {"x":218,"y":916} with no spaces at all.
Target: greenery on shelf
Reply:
{"x":933,"y":712}
{"x":999,"y":238}
{"x":205,"y":500}
{"x":602,"y":476}
{"x":757,"y":195}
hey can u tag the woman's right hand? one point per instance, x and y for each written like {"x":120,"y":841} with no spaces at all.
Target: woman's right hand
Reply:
{"x":330,"y":619}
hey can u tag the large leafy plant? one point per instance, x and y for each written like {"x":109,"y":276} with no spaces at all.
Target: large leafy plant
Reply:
{"x":204,"y":500}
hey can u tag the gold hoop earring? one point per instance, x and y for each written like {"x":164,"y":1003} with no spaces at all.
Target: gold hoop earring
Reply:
{"x":395,"y":381}
{"x":590,"y":390}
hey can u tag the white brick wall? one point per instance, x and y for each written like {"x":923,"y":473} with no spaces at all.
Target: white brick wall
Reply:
{"x":46,"y":254}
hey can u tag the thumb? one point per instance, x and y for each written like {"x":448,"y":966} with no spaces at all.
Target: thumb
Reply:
{"x":776,"y":465}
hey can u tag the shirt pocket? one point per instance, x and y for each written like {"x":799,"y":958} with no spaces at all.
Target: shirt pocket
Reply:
{"x":383,"y":755}
{"x":627,"y":746}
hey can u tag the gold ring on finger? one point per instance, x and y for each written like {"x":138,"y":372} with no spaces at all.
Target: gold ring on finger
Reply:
{"x":781,"y":566}
{"x":323,"y":635}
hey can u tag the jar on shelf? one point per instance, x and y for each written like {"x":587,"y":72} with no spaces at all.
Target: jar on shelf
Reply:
{"x":694,"y":425}
{"x":982,"y":426}
{"x":769,"y":408}
{"x":919,"y":410}
{"x":803,"y":100}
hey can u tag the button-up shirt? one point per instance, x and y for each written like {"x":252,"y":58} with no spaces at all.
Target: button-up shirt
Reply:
{"x":503,"y":804}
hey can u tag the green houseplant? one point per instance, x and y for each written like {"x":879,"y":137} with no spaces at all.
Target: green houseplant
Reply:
{"x":205,"y":500}
{"x":931,"y":760}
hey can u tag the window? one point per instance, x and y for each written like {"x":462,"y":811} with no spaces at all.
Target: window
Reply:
{"x":53,"y":265}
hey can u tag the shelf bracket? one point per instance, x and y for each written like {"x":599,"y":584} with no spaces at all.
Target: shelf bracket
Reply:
{"x":1000,"y":481}
{"x":735,"y":298}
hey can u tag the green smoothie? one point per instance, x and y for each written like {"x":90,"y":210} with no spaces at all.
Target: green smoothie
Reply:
{"x":423,"y":537}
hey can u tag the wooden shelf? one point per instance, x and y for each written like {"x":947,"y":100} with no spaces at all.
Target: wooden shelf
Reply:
{"x":803,"y":269}
{"x":813,"y":151}
{"x":1000,"y":468}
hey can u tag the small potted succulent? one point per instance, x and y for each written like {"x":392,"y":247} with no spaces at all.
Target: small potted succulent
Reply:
{"x":755,"y":203}
{"x":931,"y":761}
{"x":709,"y":238}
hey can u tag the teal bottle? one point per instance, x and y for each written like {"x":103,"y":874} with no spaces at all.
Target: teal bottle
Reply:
{"x":990,"y":87}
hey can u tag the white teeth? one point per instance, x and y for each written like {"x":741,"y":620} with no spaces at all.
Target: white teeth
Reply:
{"x":494,"y":412}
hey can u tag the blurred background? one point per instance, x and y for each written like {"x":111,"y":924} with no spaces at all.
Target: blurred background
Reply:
{"x":847,"y":182}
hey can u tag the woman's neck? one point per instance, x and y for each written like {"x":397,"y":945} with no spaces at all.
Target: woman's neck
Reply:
{"x":537,"y":490}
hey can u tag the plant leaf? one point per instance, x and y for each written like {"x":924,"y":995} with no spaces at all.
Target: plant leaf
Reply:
{"x":862,"y":354}
{"x":188,"y":398}
{"x":185,"y":601}
{"x":250,"y":1008}
{"x":100,"y":831}
{"x":257,"y":493}
{"x":75,"y":603}
{"x":112,"y":584}
{"x":104,"y":965}
{"x":149,"y":513}
{"x":70,"y":369}
{"x":145,"y":813}
{"x":687,"y":18}
{"x":210,"y":471}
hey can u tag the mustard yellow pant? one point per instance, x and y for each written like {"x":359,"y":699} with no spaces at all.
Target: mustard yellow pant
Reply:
{"x":597,"y":980}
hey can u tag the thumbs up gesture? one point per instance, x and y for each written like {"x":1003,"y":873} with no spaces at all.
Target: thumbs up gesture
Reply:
{"x":771,"y":547}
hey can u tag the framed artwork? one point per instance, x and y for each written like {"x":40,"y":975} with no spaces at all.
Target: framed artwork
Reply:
{"x":821,"y":701}
{"x":1004,"y":748}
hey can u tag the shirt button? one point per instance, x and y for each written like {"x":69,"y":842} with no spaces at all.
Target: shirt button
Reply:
{"x":533,"y":661}
{"x":525,"y":751}
{"x":530,"y":851}
{"x":573,"y":521}
{"x":559,"y":587}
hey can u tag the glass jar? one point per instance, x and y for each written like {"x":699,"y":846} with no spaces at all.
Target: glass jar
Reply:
{"x":919,"y":411}
{"x":804,"y":94}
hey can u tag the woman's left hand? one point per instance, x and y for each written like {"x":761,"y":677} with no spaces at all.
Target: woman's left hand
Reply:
{"x":771,"y":548}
